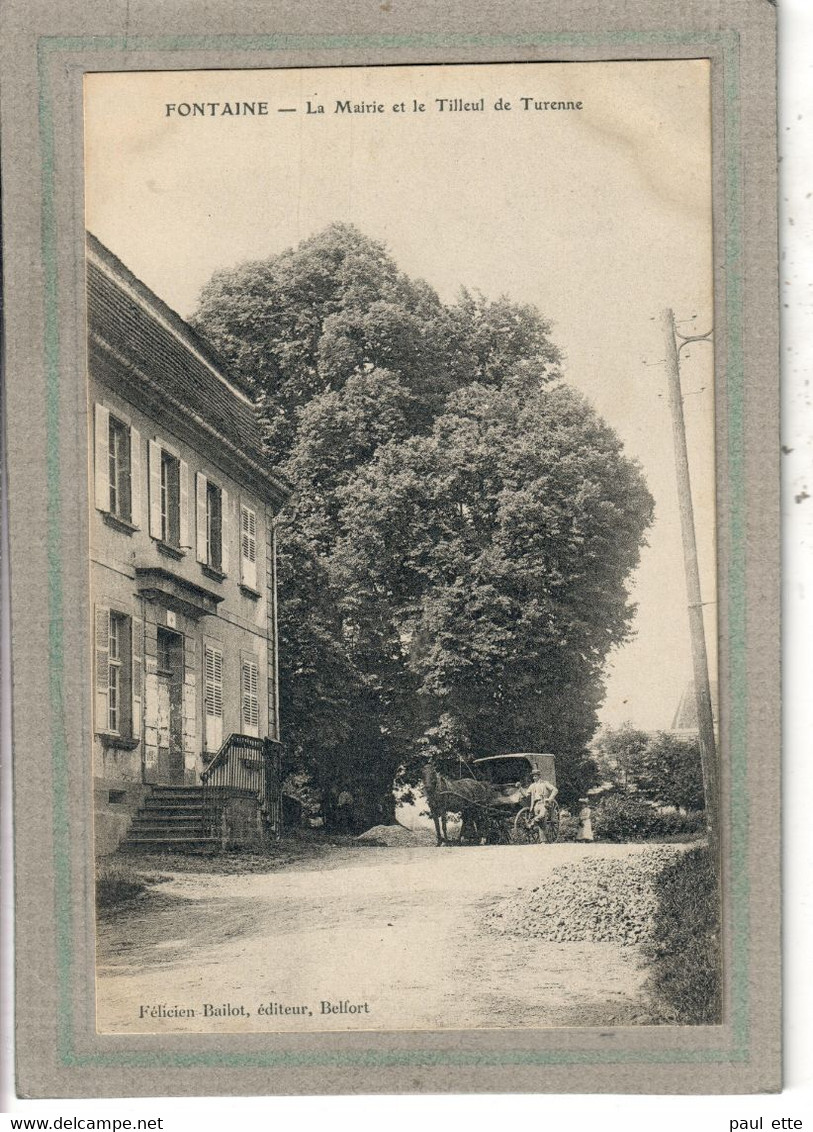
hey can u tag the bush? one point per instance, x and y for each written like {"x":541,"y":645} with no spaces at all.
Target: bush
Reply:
{"x":116,"y":884}
{"x":568,"y":826}
{"x":685,"y":948}
{"x":623,"y":818}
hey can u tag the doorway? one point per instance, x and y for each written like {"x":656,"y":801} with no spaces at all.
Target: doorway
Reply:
{"x":170,"y":708}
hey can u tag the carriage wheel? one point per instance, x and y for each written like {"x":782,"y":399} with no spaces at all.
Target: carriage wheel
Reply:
{"x":499,"y":832}
{"x":551,"y":826}
{"x":525,"y":831}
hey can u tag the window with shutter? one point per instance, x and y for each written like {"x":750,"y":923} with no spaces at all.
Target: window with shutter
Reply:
{"x":210,"y":512}
{"x":248,"y":547}
{"x":114,"y":673}
{"x":168,"y":477}
{"x":214,"y":525}
{"x":250,"y":696}
{"x":170,"y":499}
{"x":213,"y":680}
{"x":118,"y":467}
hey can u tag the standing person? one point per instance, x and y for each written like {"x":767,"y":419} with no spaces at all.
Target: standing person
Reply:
{"x":585,"y":830}
{"x":540,"y":794}
{"x":344,"y":807}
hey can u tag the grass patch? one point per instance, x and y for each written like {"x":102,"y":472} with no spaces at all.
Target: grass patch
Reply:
{"x":685,"y":948}
{"x":116,"y":885}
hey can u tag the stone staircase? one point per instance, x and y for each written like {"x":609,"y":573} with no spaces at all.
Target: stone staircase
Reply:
{"x":171,"y":820}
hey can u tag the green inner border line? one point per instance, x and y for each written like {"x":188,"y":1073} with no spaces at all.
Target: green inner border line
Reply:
{"x":739,"y":1052}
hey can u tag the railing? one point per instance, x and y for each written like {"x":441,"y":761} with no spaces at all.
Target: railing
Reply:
{"x":245,"y":765}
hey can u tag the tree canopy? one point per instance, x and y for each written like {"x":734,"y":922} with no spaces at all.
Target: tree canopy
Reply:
{"x":663,"y":768}
{"x":454,"y":564}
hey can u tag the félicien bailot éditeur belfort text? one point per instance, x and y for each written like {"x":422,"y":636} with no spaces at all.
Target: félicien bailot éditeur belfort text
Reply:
{"x":163,"y":1011}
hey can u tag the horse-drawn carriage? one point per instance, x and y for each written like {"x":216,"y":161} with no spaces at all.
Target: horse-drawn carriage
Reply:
{"x":493,"y":801}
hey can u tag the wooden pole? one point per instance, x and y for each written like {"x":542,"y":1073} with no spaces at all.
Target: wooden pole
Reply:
{"x":702,"y":690}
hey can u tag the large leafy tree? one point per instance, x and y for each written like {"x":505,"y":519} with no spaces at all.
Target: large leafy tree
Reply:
{"x":501,"y":544}
{"x":453,"y":564}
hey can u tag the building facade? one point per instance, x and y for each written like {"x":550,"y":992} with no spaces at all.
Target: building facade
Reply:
{"x":182,"y":551}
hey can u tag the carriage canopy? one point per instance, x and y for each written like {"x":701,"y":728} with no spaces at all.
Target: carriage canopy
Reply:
{"x":504,"y":770}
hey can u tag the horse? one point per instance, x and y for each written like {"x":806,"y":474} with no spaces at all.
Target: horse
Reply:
{"x":457,"y":795}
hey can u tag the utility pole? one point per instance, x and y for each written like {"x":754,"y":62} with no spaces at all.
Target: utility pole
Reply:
{"x":702,"y":690}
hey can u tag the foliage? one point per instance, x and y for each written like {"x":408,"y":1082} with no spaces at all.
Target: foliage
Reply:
{"x":617,"y":751}
{"x":304,"y":322}
{"x":453,"y":563}
{"x":619,"y":817}
{"x":672,"y":774}
{"x":685,"y":952}
{"x":663,"y":768}
{"x":116,"y":884}
{"x":500,"y":543}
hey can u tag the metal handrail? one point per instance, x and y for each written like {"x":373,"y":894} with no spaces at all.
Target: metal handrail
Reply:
{"x":245,"y":764}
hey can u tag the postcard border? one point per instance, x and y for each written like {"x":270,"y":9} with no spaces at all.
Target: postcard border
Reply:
{"x":728,"y":42}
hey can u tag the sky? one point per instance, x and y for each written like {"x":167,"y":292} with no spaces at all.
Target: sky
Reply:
{"x":599,"y":216}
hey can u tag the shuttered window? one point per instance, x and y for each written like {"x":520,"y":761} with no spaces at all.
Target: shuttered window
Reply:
{"x":170,"y":499}
{"x":169,"y":496}
{"x":118,"y":467}
{"x":250,"y":684}
{"x":114,"y":666}
{"x":248,"y":547}
{"x":211,"y":511}
{"x":119,"y":663}
{"x":213,"y":679}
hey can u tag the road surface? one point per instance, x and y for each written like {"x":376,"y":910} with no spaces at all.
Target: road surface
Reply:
{"x":365,"y":938}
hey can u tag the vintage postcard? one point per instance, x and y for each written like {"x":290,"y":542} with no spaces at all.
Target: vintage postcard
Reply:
{"x":403,"y":496}
{"x":383,"y":530}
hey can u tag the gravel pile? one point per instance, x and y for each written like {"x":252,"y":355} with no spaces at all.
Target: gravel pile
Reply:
{"x":396,"y":836}
{"x":597,"y":900}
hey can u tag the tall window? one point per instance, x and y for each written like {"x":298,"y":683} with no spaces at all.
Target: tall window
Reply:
{"x":118,"y":467}
{"x":119,"y":672}
{"x":250,"y":682}
{"x":213,"y":695}
{"x":248,"y":547}
{"x":114,"y":684}
{"x":214,"y":525}
{"x":169,"y":496}
{"x":170,"y":499}
{"x":212,"y":507}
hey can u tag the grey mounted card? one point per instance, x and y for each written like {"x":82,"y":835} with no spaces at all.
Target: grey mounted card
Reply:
{"x":391,"y":424}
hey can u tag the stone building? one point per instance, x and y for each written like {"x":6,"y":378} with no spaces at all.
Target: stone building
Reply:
{"x":182,"y":571}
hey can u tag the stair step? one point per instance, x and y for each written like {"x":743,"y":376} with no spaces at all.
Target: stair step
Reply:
{"x":175,"y":796}
{"x":165,"y":828}
{"x":173,"y":819}
{"x":157,"y":817}
{"x":172,"y":806}
{"x":170,"y":844}
{"x":150,"y":835}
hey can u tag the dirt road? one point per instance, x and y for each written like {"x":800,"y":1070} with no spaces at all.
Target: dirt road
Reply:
{"x":367,"y":938}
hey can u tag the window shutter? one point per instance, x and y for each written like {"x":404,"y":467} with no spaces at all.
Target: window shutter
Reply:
{"x":137,"y":632}
{"x":154,"y":457}
{"x":213,"y":678}
{"x":224,"y":531}
{"x":102,"y":666}
{"x":135,"y":477}
{"x":248,"y":547}
{"x":251,"y":698}
{"x":201,"y":523}
{"x":184,"y":504}
{"x":101,"y":425}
